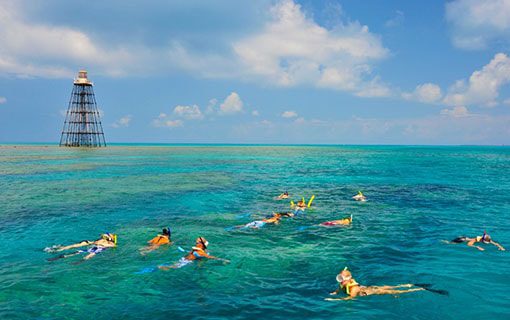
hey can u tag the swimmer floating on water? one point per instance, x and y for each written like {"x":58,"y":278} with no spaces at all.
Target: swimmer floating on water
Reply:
{"x":349,"y":286}
{"x":335,"y":223}
{"x":485,"y":238}
{"x":301,"y":205}
{"x":360,"y":197}
{"x":197,"y":253}
{"x":274,"y":219}
{"x":107,"y":240}
{"x":282,"y":196}
{"x":157,"y":241}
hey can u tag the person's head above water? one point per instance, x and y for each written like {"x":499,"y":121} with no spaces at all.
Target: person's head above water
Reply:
{"x":110,"y":237}
{"x":344,"y":275}
{"x":202,"y":242}
{"x":485,"y":238}
{"x":167,"y":231}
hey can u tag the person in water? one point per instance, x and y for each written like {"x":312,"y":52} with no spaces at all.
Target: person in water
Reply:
{"x":284,"y":195}
{"x":274,"y":219}
{"x":198,"y":252}
{"x":299,"y":206}
{"x":341,"y":222}
{"x":483,"y":239}
{"x":107,"y":240}
{"x":157,"y":241}
{"x":352,"y":289}
{"x":360,"y":197}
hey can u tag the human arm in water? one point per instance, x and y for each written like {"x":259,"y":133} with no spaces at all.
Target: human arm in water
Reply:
{"x":500,"y":247}
{"x":354,"y":292}
{"x":205,"y":255}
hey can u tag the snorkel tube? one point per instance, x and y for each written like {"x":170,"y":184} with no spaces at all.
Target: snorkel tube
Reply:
{"x":310,"y":201}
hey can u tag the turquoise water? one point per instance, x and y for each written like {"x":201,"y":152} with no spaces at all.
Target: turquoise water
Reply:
{"x":418,"y":196}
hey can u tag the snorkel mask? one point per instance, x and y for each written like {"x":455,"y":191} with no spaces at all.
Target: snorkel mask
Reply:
{"x":340,"y":278}
{"x":110,"y":237}
{"x":485,"y":238}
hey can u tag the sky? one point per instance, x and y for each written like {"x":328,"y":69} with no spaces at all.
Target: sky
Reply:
{"x":275,"y":72}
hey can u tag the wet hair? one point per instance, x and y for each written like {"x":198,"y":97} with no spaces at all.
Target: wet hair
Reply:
{"x":166,"y":231}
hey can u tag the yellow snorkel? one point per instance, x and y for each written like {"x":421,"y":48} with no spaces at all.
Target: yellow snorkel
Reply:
{"x":310,"y":201}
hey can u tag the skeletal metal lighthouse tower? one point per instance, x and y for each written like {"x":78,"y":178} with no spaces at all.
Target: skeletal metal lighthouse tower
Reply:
{"x":82,"y":127}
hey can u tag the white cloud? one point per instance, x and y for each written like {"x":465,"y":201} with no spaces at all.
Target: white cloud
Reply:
{"x":483,"y":85}
{"x":164,"y":121}
{"x":456,"y":112}
{"x":123,"y":122}
{"x":293,"y":49}
{"x":396,"y":21}
{"x":300,"y":120}
{"x":232,"y":104}
{"x":373,"y":88}
{"x":30,"y":49}
{"x":476,"y":24}
{"x":189,"y":112}
{"x":427,"y":93}
{"x":211,"y":106}
{"x":255,"y":113}
{"x":435,"y":129}
{"x":289,"y":114}
{"x":290,"y":49}
{"x":3,"y":100}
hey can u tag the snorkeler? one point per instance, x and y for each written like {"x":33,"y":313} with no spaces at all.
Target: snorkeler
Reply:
{"x":107,"y":240}
{"x":274,"y":219}
{"x":301,"y":205}
{"x":282,"y":196}
{"x":349,"y":286}
{"x":197,"y":253}
{"x":485,"y":238}
{"x":341,"y":222}
{"x":360,"y":197}
{"x":157,"y":241}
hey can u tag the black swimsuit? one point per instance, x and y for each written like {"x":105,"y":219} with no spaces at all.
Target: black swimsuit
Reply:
{"x":460,"y":239}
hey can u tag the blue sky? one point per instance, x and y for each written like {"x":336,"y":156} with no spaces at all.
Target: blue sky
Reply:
{"x":340,"y":72}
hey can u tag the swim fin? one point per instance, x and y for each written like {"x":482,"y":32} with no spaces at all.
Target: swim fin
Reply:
{"x":427,"y":286}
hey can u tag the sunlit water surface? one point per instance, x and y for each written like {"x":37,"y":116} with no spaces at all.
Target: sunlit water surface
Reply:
{"x":418,"y":196}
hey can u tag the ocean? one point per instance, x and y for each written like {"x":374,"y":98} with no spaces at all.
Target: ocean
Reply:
{"x":417,"y":197}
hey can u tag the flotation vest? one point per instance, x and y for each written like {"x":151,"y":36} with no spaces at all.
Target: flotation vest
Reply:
{"x":197,"y":252}
{"x":347,"y":287}
{"x":159,"y":240}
